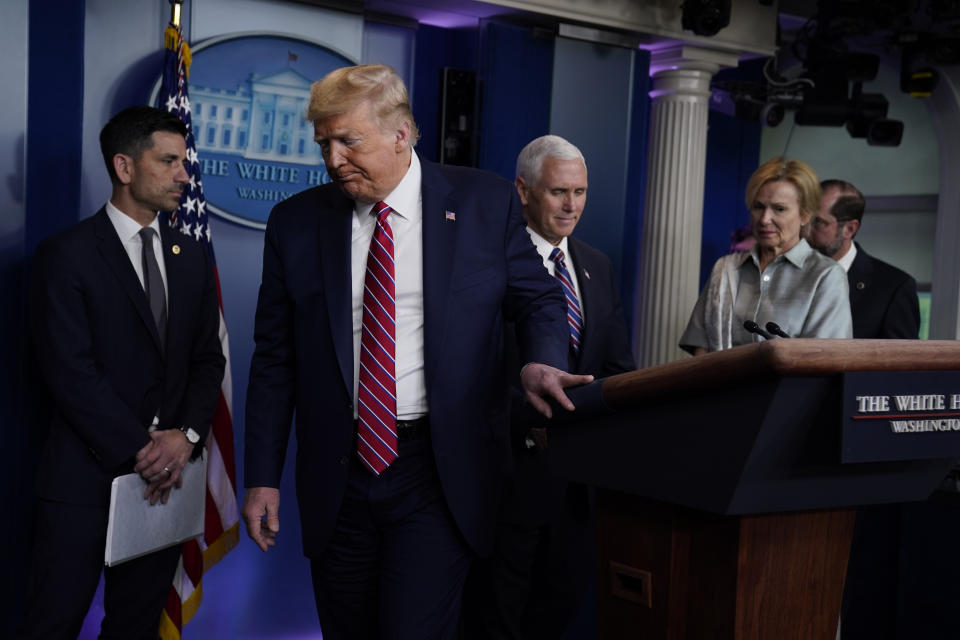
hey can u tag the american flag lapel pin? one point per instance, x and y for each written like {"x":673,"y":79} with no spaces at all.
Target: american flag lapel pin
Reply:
{"x":450,"y":216}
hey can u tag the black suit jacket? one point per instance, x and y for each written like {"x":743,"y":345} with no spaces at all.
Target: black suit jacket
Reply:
{"x":99,"y":353}
{"x":479,"y":268}
{"x":538,"y":487}
{"x":883,"y":299}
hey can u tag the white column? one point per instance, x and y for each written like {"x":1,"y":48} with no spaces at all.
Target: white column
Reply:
{"x":673,"y":207}
{"x":945,"y":295}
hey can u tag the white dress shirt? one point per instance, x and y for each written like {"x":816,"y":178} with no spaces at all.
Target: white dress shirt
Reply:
{"x":406,"y":220}
{"x":545,"y":248}
{"x":847,"y":260}
{"x":129,"y":231}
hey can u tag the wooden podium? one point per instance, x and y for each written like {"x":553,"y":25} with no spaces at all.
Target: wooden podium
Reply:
{"x":724,"y":505}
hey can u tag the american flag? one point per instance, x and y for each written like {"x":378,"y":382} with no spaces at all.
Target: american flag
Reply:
{"x":221,"y":527}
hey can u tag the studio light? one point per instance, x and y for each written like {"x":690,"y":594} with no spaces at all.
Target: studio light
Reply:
{"x":885,"y":133}
{"x":705,"y":17}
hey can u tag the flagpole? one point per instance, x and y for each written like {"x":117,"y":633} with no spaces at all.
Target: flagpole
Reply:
{"x":175,"y":12}
{"x":222,"y":518}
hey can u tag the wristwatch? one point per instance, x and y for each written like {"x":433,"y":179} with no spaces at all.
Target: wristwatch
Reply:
{"x":192,"y":436}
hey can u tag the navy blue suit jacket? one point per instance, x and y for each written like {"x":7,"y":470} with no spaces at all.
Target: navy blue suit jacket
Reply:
{"x":99,"y":354}
{"x":883,"y":299}
{"x":605,"y":350}
{"x":538,"y":488}
{"x":478,"y":269}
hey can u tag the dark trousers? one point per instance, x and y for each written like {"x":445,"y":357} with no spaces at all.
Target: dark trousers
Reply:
{"x":870,"y":593}
{"x":396,"y":563}
{"x":66,"y":564}
{"x":533,"y":585}
{"x":902,"y":577}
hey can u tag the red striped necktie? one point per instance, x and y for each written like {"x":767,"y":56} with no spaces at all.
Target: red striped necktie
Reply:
{"x":574,"y":317}
{"x":377,"y":389}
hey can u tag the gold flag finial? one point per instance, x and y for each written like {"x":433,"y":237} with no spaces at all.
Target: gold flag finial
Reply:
{"x":172,"y":38}
{"x":175,"y":12}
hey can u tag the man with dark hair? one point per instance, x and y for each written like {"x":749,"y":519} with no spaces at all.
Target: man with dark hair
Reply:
{"x":883,"y":302}
{"x":883,"y":299}
{"x":131,"y":131}
{"x":125,"y":327}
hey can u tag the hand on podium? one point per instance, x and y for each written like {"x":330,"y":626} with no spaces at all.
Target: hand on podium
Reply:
{"x":542,"y":382}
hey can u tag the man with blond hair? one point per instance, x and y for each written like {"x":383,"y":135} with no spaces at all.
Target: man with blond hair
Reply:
{"x":380,"y":323}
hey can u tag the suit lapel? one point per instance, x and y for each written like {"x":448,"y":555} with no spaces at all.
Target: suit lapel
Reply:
{"x":178,"y":274}
{"x":334,"y":238}
{"x":440,"y":237}
{"x":860,"y":275}
{"x":111,"y":249}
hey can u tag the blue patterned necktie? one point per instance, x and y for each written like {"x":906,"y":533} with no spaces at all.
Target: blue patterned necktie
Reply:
{"x":574,"y":318}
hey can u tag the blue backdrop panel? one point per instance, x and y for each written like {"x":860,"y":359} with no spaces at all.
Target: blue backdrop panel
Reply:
{"x":437,"y":48}
{"x":733,"y":147}
{"x":49,"y":195}
{"x":592,"y":108}
{"x":636,"y":182}
{"x":515,"y":79}
{"x":55,"y":99}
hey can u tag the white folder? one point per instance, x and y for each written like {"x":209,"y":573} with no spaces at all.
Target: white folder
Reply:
{"x":137,"y":528}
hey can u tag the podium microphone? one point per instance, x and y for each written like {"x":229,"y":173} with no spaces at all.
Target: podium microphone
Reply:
{"x":753,"y":327}
{"x":775,"y":329}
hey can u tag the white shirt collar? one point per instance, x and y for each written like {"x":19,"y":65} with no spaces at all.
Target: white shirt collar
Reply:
{"x":847,"y":260}
{"x":545,"y":247}
{"x":128,"y":228}
{"x":405,"y":197}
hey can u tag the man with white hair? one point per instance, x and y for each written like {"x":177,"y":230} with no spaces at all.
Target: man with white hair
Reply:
{"x":380,"y":322}
{"x":543,"y":557}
